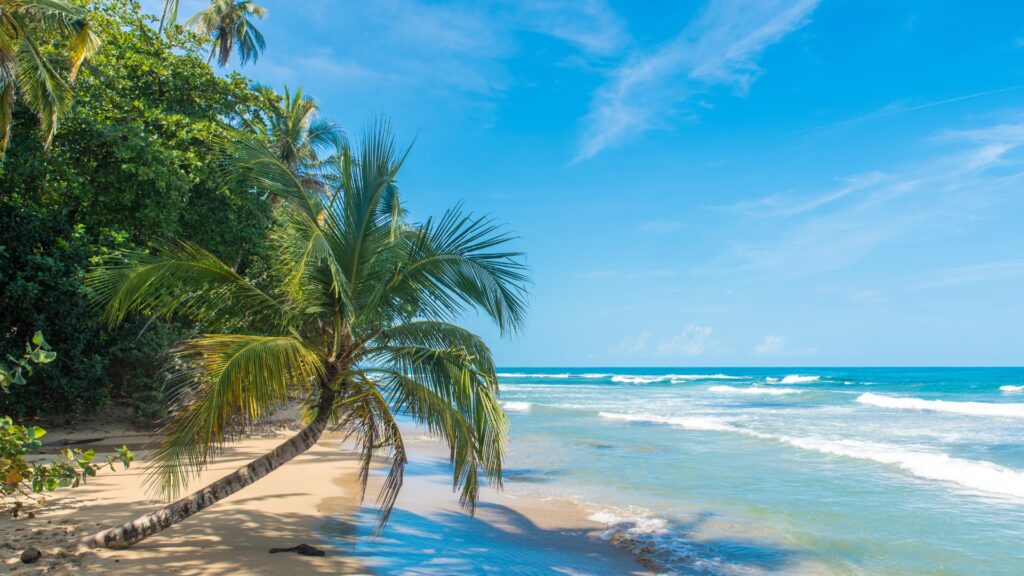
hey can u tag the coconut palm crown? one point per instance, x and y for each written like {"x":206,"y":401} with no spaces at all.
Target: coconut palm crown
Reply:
{"x":26,"y":72}
{"x":359,"y":322}
{"x":229,"y":23}
{"x":305,"y":141}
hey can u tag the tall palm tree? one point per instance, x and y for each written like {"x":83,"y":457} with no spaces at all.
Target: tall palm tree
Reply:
{"x":229,"y":24}
{"x":169,"y":14}
{"x":359,"y":323}
{"x":25,"y":71}
{"x":304,"y":141}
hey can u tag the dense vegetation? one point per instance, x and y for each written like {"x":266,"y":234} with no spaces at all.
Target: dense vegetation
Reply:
{"x":135,"y":158}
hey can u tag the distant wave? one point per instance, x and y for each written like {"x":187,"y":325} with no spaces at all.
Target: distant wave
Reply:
{"x":970,"y":408}
{"x":794,"y":379}
{"x":702,"y":423}
{"x":517,"y":406}
{"x":672,"y":378}
{"x":1012,"y":388}
{"x":979,"y":475}
{"x":754,"y":390}
{"x":550,"y":387}
{"x":532,"y":375}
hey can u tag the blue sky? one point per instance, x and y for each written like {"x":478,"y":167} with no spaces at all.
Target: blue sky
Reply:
{"x":707,"y":183}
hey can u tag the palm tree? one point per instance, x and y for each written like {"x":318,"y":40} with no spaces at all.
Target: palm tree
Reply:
{"x":229,"y":24}
{"x":24,"y":69}
{"x":169,"y":14}
{"x":359,"y":323}
{"x":304,"y":141}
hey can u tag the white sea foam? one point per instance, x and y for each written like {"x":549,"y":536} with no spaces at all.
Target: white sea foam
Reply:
{"x":532,"y":375}
{"x":979,"y":475}
{"x":702,"y":423}
{"x":1011,"y":388}
{"x":510,"y":406}
{"x":970,"y":408}
{"x":655,"y":542}
{"x":754,"y":390}
{"x":797,"y":379}
{"x":671,"y":378}
{"x":550,"y":387}
{"x":594,"y":375}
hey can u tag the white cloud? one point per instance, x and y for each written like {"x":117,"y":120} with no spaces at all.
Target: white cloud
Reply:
{"x":770,"y":345}
{"x":719,"y":47}
{"x":779,"y":346}
{"x":692,"y":341}
{"x":635,"y":345}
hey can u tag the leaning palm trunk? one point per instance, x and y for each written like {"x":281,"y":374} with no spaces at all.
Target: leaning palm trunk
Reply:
{"x":144,"y":526}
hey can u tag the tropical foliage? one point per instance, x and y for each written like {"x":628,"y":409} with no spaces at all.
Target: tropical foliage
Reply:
{"x":14,"y":371}
{"x":27,"y":73}
{"x":22,"y":479}
{"x":136,"y":158}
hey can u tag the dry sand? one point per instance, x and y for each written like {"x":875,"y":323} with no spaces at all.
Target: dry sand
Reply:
{"x":312,"y":500}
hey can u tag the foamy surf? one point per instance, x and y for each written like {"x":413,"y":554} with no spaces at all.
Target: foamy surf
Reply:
{"x":970,"y":408}
{"x":670,"y":378}
{"x":560,"y":376}
{"x":754,"y":390}
{"x":510,"y":406}
{"x":654,"y":542}
{"x":1011,"y":389}
{"x":794,"y":379}
{"x":975,"y":475}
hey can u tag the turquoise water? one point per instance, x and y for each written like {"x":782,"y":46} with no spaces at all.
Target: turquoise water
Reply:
{"x":780,"y":471}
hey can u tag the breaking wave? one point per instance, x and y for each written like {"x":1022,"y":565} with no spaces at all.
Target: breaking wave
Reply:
{"x":977,"y":475}
{"x":970,"y":408}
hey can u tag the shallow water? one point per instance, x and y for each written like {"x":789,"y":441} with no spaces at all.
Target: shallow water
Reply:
{"x":755,"y":471}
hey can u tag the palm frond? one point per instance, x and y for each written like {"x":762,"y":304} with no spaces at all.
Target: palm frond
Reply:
{"x":181,"y":278}
{"x":42,"y":88}
{"x":228,"y":380}
{"x":366,"y":418}
{"x":453,"y":263}
{"x":454,"y":394}
{"x":169,"y":14}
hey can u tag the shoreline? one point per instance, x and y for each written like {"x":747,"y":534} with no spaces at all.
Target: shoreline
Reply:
{"x":511,"y":532}
{"x":314,"y":500}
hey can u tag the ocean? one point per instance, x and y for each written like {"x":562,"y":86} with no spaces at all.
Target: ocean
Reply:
{"x":782,"y":471}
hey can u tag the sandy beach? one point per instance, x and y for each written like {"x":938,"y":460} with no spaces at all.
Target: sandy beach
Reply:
{"x":313,"y":500}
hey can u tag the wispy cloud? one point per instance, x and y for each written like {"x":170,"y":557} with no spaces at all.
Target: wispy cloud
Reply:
{"x":777,"y":205}
{"x":719,"y":47}
{"x":984,"y":272}
{"x":414,"y":54}
{"x":896,"y":109}
{"x":938,"y":197}
{"x":590,"y":25}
